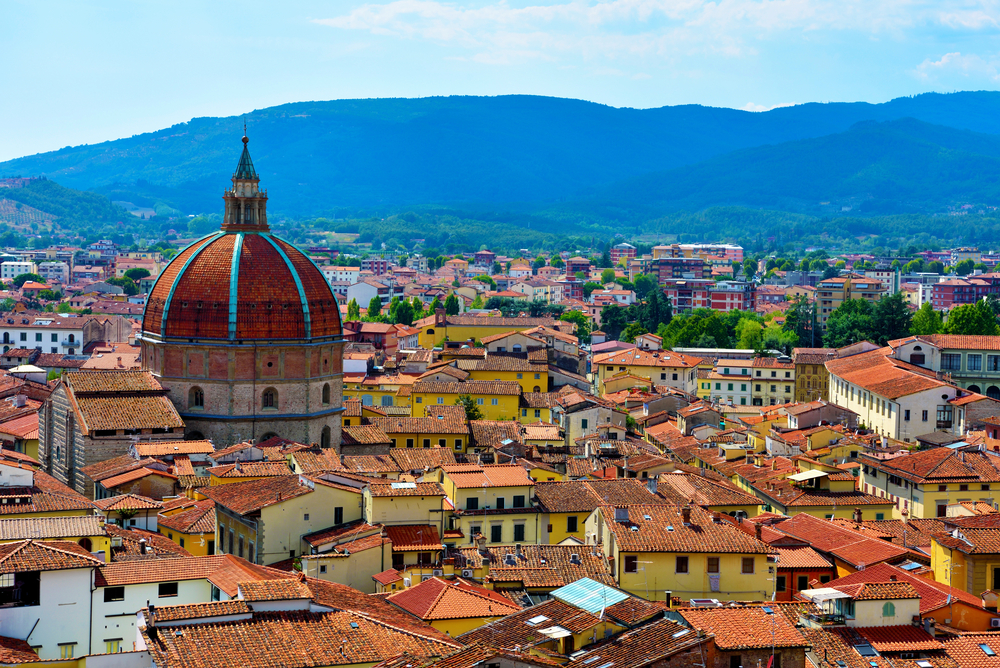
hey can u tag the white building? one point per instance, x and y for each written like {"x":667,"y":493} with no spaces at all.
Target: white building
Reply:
{"x":49,"y":334}
{"x":54,"y":271}
{"x":349,"y":275}
{"x":10,"y":270}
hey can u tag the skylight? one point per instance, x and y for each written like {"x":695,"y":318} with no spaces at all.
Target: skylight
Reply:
{"x":767,"y":610}
{"x":987,"y":650}
{"x":534,"y":621}
{"x":591,"y":659}
{"x":404,"y":485}
{"x":924,"y":664}
{"x":682,"y":633}
{"x":866,"y":650}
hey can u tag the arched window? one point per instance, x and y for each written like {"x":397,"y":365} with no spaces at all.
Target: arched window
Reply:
{"x":516,"y":347}
{"x":72,"y":338}
{"x":888,"y":609}
{"x":324,"y":438}
{"x":430,"y":332}
{"x":974,"y":388}
{"x":194,"y":436}
{"x":366,"y":400}
{"x":387,"y":400}
{"x":86,"y":544}
{"x":196,"y":398}
{"x":269,"y":399}
{"x":326,"y":393}
{"x":536,"y":389}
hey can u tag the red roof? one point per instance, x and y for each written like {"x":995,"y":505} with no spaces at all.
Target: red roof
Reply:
{"x":443,"y":599}
{"x":280,"y":293}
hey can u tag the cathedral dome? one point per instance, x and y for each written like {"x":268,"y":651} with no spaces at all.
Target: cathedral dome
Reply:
{"x":242,"y":283}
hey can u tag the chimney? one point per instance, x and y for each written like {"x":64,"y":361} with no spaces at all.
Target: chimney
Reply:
{"x":857,"y":515}
{"x":142,"y":546}
{"x":151,"y":619}
{"x":651,"y":484}
{"x":686,"y":515}
{"x":758,"y":531}
{"x":929,"y":626}
{"x":481,"y":544}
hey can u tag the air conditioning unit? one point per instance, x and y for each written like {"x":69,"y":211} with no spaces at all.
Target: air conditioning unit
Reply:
{"x":438,"y":571}
{"x":116,"y":541}
{"x":425,"y":577}
{"x":406,"y":582}
{"x":467,"y":573}
{"x":995,"y":623}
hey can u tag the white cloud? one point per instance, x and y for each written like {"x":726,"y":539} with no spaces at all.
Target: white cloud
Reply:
{"x":500,"y":32}
{"x":966,"y":66}
{"x":750,"y":106}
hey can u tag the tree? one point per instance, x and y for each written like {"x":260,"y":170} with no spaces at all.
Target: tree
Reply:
{"x":830,"y":272}
{"x":633,"y":330}
{"x":375,"y":307}
{"x":972,"y":319}
{"x":557,"y":262}
{"x":472,"y":411}
{"x":127,"y":285}
{"x":892,"y":318}
{"x":538,"y":263}
{"x":799,"y":320}
{"x":926,"y":320}
{"x":137,"y":273}
{"x":965,"y":267}
{"x":353,"y":310}
{"x":49,"y":295}
{"x":608,"y":276}
{"x":935,"y":267}
{"x":451,"y":305}
{"x":589,"y":288}
{"x":644,"y":285}
{"x":21,"y":279}
{"x":849,"y":323}
{"x":477,"y":302}
{"x":605,"y":258}
{"x":749,"y":268}
{"x":750,"y":333}
{"x":582,"y":324}
{"x":488,"y":280}
{"x":6,"y":305}
{"x":434,"y":305}
{"x":404,"y":313}
{"x":613,"y":320}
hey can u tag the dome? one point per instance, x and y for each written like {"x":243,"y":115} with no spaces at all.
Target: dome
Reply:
{"x":242,"y":283}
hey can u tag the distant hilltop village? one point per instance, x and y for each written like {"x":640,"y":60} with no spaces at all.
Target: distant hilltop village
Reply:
{"x":239,"y":453}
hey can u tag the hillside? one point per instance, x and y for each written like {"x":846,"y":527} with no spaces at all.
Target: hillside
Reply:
{"x":36,"y":205}
{"x":477,"y":151}
{"x":890,"y":167}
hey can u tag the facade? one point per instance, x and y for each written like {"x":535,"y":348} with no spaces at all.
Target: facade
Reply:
{"x":661,"y":367}
{"x":833,"y":292}
{"x":243,"y":330}
{"x":812,"y":381}
{"x":622,"y":253}
{"x":972,"y":362}
{"x":773,"y":381}
{"x":12,"y":269}
{"x":732,"y":382}
{"x":732,"y":296}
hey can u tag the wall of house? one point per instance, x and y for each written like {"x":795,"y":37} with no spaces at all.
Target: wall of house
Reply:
{"x":505,"y":408}
{"x":354,"y":570}
{"x":872,"y":613}
{"x":282,"y":525}
{"x":791,"y":657}
{"x":922,"y":500}
{"x":62,"y":615}
{"x":559,"y":527}
{"x":657,"y":575}
{"x":483,"y":522}
{"x":402,"y":510}
{"x":116,"y":619}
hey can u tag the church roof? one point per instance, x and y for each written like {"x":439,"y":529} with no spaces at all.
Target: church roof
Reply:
{"x":245,"y":170}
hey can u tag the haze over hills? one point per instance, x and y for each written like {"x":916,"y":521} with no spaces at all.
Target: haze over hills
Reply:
{"x":524,"y":150}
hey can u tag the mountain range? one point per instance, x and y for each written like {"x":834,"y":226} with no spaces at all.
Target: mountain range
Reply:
{"x":919,"y":153}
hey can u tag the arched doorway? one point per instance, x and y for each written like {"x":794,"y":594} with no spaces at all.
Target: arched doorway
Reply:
{"x":993,"y":392}
{"x":86,"y":544}
{"x":324,"y":438}
{"x":974,"y":388}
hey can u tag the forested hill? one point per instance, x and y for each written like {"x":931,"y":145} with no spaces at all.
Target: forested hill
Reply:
{"x":903,"y":166}
{"x":314,"y":156}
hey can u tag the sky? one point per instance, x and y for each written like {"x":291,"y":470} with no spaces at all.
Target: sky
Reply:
{"x":86,"y":71}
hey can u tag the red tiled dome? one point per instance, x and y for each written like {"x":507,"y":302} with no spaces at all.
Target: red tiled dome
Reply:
{"x":271,"y":291}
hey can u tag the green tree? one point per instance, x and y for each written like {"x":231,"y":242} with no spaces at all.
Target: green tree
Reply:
{"x":404,"y":313}
{"x":749,"y":268}
{"x":613,"y":320}
{"x":935,"y":267}
{"x":353,"y":310}
{"x":49,"y":295}
{"x":608,"y":276}
{"x":849,"y":323}
{"x":434,"y":305}
{"x":6,"y":305}
{"x":477,"y":302}
{"x":21,"y":279}
{"x":605,"y":259}
{"x":972,"y":319}
{"x":472,"y":411}
{"x":451,"y":305}
{"x":127,"y":285}
{"x":589,"y":288}
{"x":926,"y":320}
{"x":557,"y":262}
{"x":375,"y":307}
{"x":799,"y":320}
{"x":137,"y":273}
{"x":892,"y":318}
{"x":537,"y":264}
{"x":582,"y":324}
{"x":644,"y":285}
{"x":965,"y":267}
{"x":750,"y":334}
{"x":488,"y":280}
{"x":633,"y":330}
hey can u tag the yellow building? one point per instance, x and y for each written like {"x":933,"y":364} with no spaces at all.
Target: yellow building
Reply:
{"x":773,"y":381}
{"x":832,"y":292}
{"x":812,"y":381}
{"x":492,"y":500}
{"x":263,"y":520}
{"x":84,"y":530}
{"x":228,"y":474}
{"x":355,"y":412}
{"x":968,"y":560}
{"x":192,"y":528}
{"x":531,"y":376}
{"x":436,"y":329}
{"x":453,"y":606}
{"x":659,"y":552}
{"x":925,"y":483}
{"x":537,"y":406}
{"x":565,"y":506}
{"x":377,"y":390}
{"x":23,"y":431}
{"x":350,"y":554}
{"x":424,"y":432}
{"x":497,"y":400}
{"x":44,"y":496}
{"x":661,"y":367}
{"x":821,"y":494}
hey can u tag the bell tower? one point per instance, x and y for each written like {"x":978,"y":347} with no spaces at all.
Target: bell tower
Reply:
{"x":246,"y":203}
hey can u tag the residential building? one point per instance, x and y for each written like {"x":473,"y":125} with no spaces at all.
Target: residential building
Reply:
{"x":12,"y":269}
{"x":493,"y":501}
{"x":448,"y":432}
{"x":923,"y":484}
{"x":966,"y":554}
{"x":376,"y":265}
{"x":622,"y":253}
{"x":895,"y":399}
{"x":832,"y":292}
{"x":565,"y":506}
{"x":54,"y":271}
{"x":453,"y":606}
{"x":750,"y":635}
{"x":971,"y":362}
{"x":498,"y":399}
{"x":732,"y":382}
{"x":773,"y":381}
{"x":732,"y":296}
{"x":661,"y":551}
{"x":687,"y":294}
{"x":660,"y":367}
{"x":811,"y":377}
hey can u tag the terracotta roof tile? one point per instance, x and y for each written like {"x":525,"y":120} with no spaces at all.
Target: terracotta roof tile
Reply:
{"x":273,"y":590}
{"x":250,"y":496}
{"x":499,"y":475}
{"x":437,"y":598}
{"x":541,"y":566}
{"x":414,"y":537}
{"x":487,"y":387}
{"x":165,"y":448}
{"x":899,"y":638}
{"x":250,"y":470}
{"x":419,"y":425}
{"x":492,"y":433}
{"x":50,"y":555}
{"x":197,"y":520}
{"x":393,"y":489}
{"x":747,"y":627}
{"x":128,"y":502}
{"x":648,"y":645}
{"x":665,"y":531}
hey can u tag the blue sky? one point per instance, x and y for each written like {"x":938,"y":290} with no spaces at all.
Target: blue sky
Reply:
{"x":88,"y":71}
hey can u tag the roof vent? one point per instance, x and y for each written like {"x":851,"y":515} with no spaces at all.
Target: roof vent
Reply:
{"x":575,"y":559}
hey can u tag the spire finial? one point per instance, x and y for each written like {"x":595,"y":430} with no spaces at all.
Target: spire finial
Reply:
{"x":245,"y":140}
